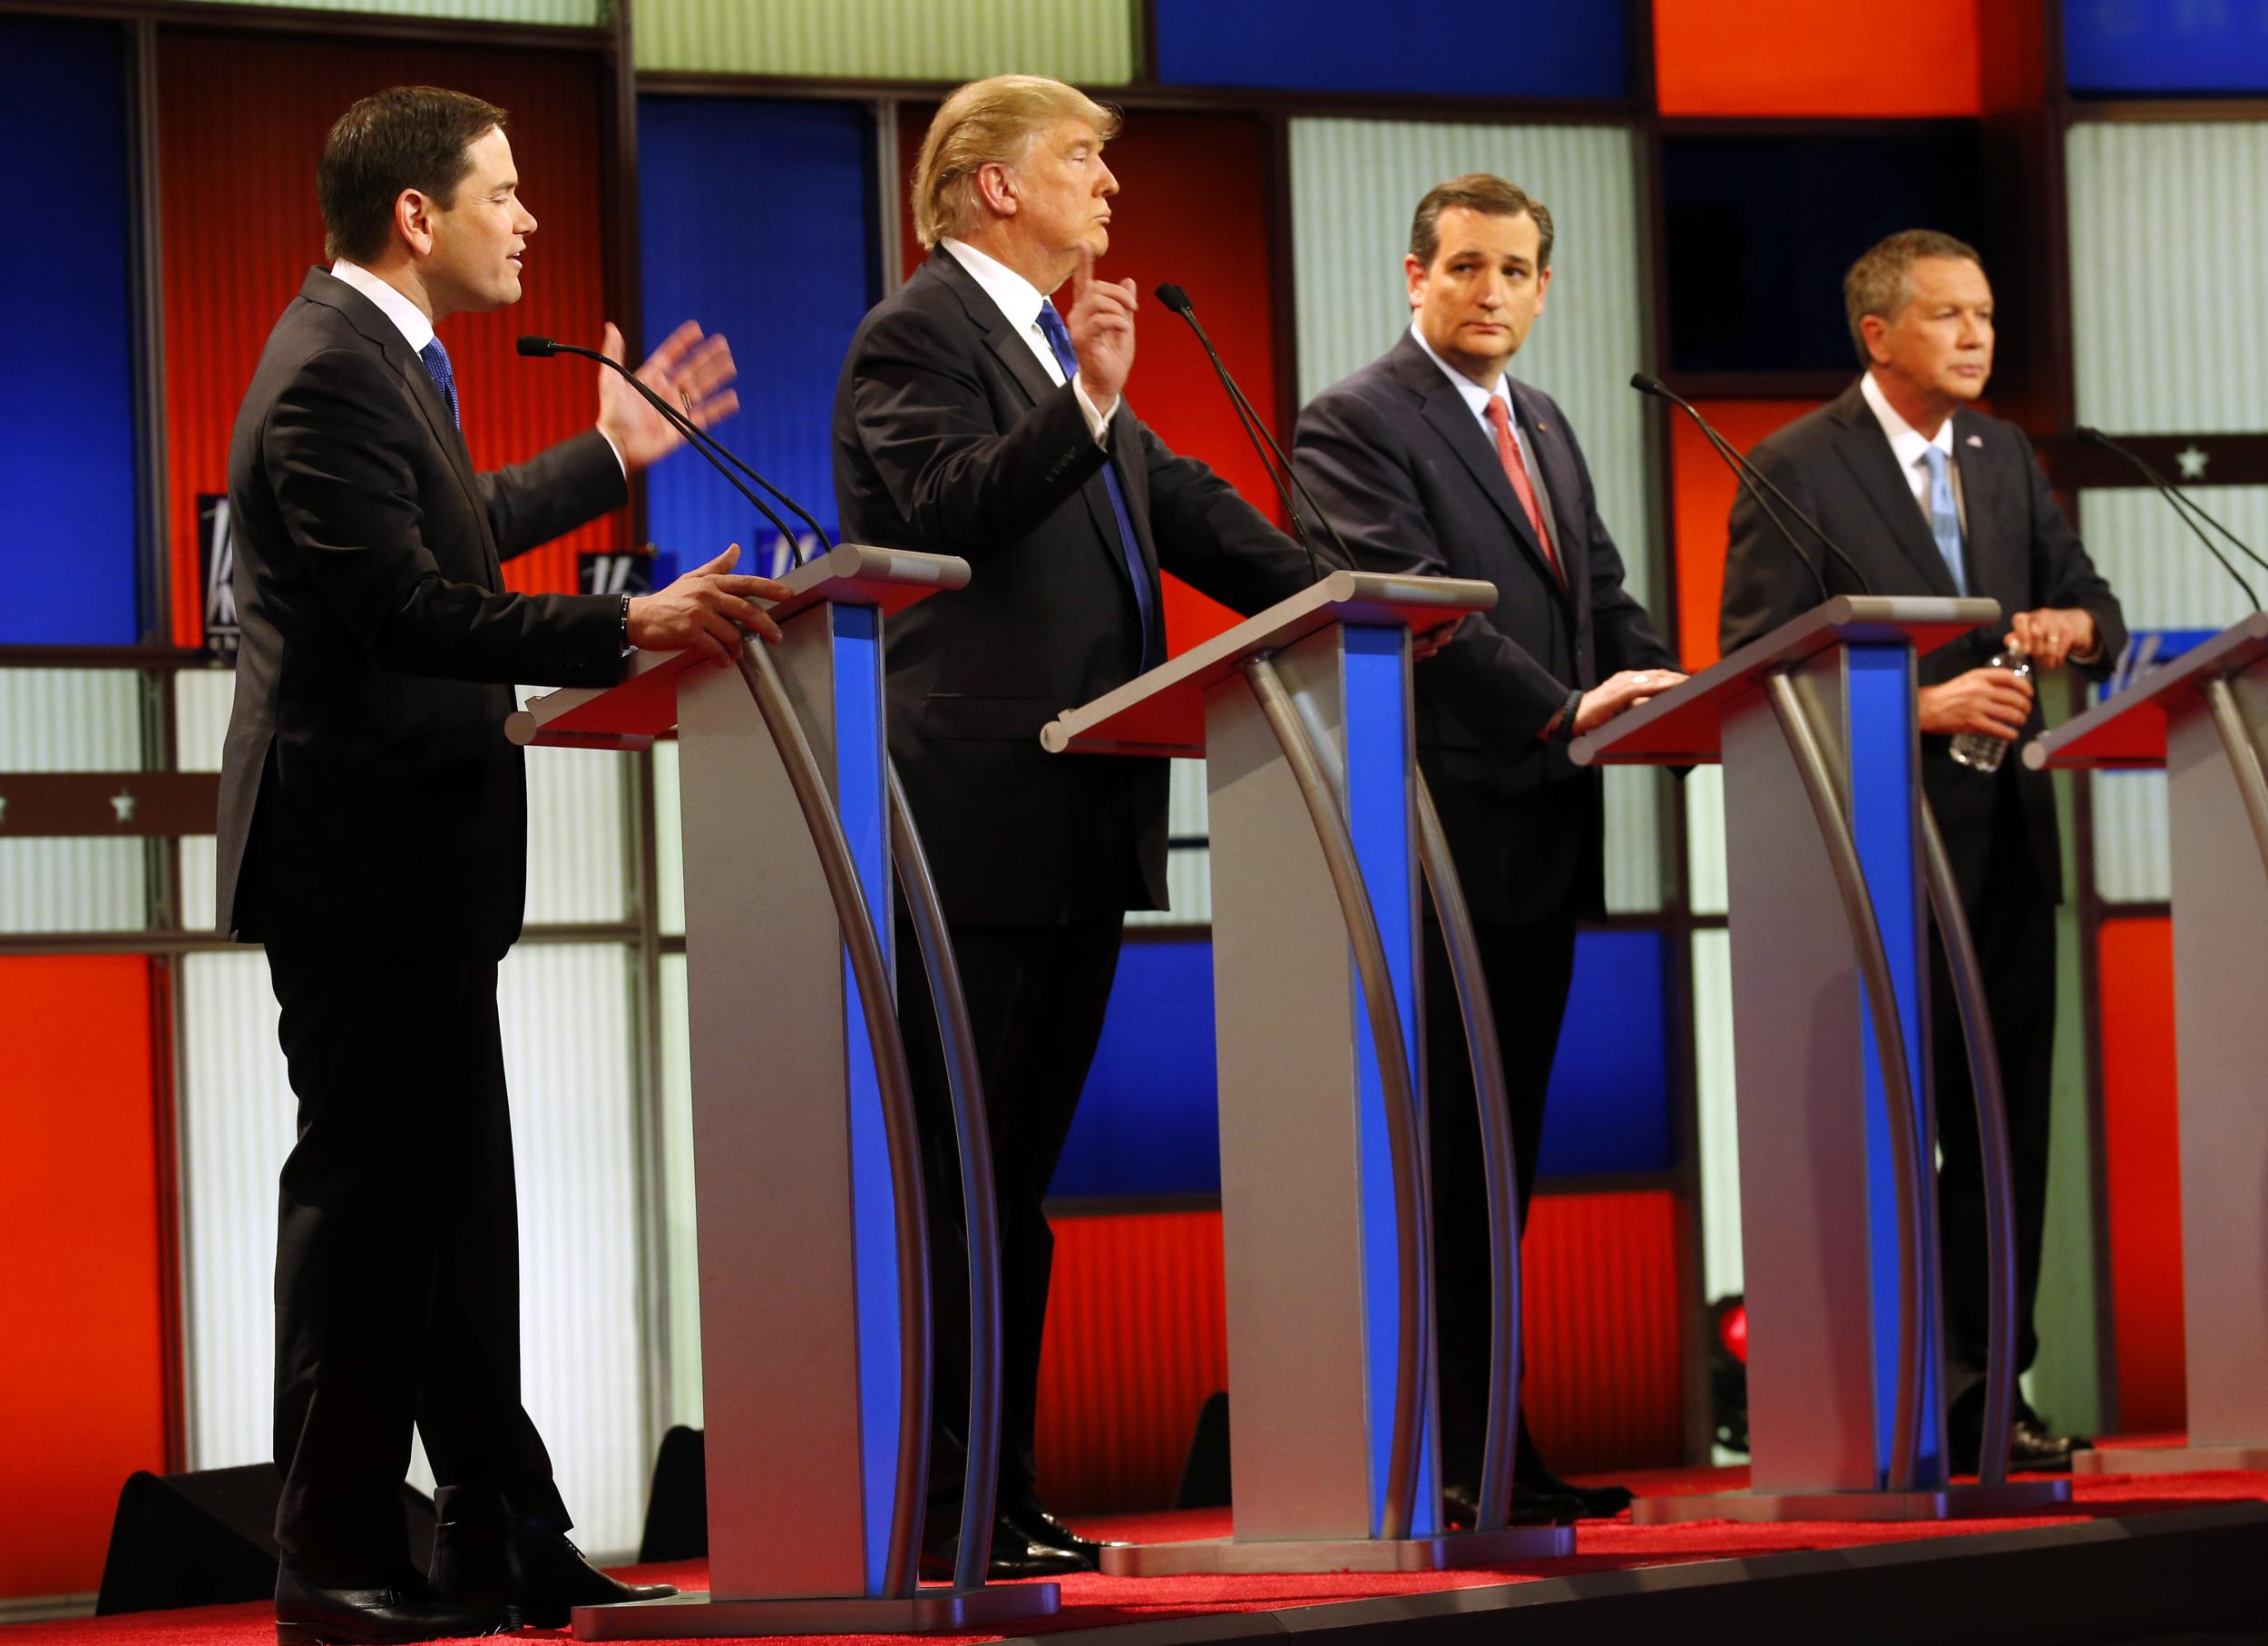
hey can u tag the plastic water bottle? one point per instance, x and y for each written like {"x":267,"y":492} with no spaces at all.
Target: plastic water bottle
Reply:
{"x":1974,"y":749}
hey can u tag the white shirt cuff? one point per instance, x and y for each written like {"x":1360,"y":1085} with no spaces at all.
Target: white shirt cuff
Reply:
{"x":619,"y":460}
{"x":1098,"y":422}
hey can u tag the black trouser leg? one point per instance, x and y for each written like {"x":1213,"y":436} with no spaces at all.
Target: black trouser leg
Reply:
{"x":1530,"y":967}
{"x":1036,"y":997}
{"x":396,"y":1253}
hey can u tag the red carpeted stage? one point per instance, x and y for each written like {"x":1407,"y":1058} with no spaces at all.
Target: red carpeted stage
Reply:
{"x":2132,"y":1559}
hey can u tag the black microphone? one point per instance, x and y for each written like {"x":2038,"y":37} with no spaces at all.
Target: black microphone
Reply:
{"x":698,"y":438}
{"x":2183,"y":507}
{"x":1177,"y":301}
{"x":1752,"y":477}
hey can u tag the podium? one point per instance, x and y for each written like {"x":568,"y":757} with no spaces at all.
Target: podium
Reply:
{"x":1319,"y":826}
{"x":814,"y":1257}
{"x":2204,"y":718}
{"x":1831,"y":853}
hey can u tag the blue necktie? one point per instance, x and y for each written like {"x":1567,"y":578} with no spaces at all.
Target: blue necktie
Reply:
{"x":1058,"y":338}
{"x":436,"y":359}
{"x":1944,"y":518}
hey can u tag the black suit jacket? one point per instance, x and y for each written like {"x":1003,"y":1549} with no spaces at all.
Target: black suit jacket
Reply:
{"x":2018,"y":548}
{"x":367,"y":793}
{"x":949,"y":437}
{"x":1402,"y":468}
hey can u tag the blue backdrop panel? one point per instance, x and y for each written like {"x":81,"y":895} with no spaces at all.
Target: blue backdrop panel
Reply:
{"x":1565,"y":48}
{"x":1609,"y":1108}
{"x":2164,"y":48}
{"x":1149,"y":1122}
{"x":758,"y":219}
{"x":66,"y":404}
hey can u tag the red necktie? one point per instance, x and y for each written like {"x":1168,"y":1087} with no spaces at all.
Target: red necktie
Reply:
{"x":1516,"y":471}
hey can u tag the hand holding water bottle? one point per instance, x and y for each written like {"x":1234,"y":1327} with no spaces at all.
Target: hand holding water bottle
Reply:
{"x":1983,"y":710}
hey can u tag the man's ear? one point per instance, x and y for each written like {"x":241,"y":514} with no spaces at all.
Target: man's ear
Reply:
{"x":1414,"y":272}
{"x":413,"y":220}
{"x":1872,"y":330}
{"x":996,"y":187}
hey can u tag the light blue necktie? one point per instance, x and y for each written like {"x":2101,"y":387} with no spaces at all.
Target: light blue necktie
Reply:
{"x":436,"y":359}
{"x":1944,"y":518}
{"x":1058,"y":338}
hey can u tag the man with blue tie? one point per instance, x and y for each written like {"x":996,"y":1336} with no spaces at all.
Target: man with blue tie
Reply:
{"x":1928,"y":495}
{"x":373,"y":834}
{"x":971,"y":419}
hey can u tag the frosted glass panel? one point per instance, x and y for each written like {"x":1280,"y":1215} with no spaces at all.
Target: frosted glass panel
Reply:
{"x":577,"y":871}
{"x":1705,"y":840}
{"x":1188,"y":868}
{"x":72,"y":720}
{"x":581,"y":13}
{"x":1633,"y":845}
{"x":669,"y":841}
{"x":1721,"y":1267}
{"x":682,"y":1259}
{"x":1086,"y":42}
{"x":202,"y":699}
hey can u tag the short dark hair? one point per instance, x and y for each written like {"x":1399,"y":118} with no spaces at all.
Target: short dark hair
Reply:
{"x":1476,"y":191}
{"x":407,"y":137}
{"x":1881,"y":281}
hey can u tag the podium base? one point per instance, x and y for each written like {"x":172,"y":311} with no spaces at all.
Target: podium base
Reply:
{"x":2169,"y":1460}
{"x":1449,"y":1552}
{"x":680,"y":1617}
{"x":1946,"y":1503}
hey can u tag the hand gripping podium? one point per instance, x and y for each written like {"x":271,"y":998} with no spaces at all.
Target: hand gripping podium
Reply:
{"x":1319,"y":825}
{"x":813,"y":1261}
{"x":2204,"y":718}
{"x":1830,"y":851}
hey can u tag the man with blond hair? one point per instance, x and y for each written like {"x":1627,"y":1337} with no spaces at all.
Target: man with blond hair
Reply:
{"x":1928,"y":495}
{"x":971,"y":419}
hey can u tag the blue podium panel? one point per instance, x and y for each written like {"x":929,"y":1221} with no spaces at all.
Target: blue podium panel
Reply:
{"x":1609,"y":1111}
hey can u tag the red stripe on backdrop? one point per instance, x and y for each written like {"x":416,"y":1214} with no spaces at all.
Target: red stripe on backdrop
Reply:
{"x":2142,"y":1172}
{"x":240,"y":123}
{"x":81,"y":1294}
{"x":1138,"y":1338}
{"x":1224,"y":256}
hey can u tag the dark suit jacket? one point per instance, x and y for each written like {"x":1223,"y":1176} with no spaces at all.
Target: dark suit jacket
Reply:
{"x":2019,"y":549}
{"x":950,"y":438}
{"x":1398,"y":462}
{"x":367,"y":793}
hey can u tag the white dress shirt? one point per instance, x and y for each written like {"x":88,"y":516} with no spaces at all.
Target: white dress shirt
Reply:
{"x":1909,"y":448}
{"x":416,"y":328}
{"x":1019,"y":300}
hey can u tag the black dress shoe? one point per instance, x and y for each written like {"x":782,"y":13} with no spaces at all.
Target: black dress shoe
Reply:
{"x":2033,"y":1448}
{"x":1043,"y":1530}
{"x":1596,"y":1502}
{"x":1531,"y":1507}
{"x":1014,"y":1555}
{"x":403,"y":1609}
{"x":524,"y":1562}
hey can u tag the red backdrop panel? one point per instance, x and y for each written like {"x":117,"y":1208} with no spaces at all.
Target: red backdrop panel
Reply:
{"x":1703,"y":490}
{"x":1224,"y":256}
{"x":2142,"y":1167}
{"x":82,"y":1378}
{"x":237,"y":176}
{"x":1861,"y":58}
{"x":1138,"y":1338}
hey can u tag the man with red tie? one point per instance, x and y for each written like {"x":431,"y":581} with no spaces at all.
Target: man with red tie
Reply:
{"x":1431,"y":459}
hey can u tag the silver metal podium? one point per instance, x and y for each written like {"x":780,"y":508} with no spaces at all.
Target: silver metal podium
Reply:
{"x":1320,"y":825}
{"x":1832,"y":856}
{"x":814,"y":1255}
{"x":2204,"y":718}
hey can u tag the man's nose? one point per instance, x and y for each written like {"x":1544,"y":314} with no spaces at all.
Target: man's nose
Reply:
{"x":1108,"y":183}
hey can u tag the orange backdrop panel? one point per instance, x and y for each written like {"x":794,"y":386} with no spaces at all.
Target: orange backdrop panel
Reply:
{"x":2142,"y":1163}
{"x":1223,"y":256}
{"x":1854,"y":60}
{"x":1137,"y":1338}
{"x":82,"y":1376}
{"x":1703,"y":491}
{"x":237,"y":176}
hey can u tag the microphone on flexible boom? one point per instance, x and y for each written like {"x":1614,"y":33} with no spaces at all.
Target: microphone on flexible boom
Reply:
{"x":1753,"y":478}
{"x":698,"y":438}
{"x":2184,"y":507}
{"x":1177,"y":301}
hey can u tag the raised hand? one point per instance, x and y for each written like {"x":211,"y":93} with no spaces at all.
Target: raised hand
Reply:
{"x":1102,"y":324}
{"x":705,"y":611}
{"x":690,"y":371}
{"x":1987,"y":700}
{"x":1619,"y":692}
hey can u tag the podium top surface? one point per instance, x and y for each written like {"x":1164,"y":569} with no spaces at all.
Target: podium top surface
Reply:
{"x":2128,"y":729}
{"x":1162,"y":712}
{"x":643,"y":703}
{"x":1683,"y":726}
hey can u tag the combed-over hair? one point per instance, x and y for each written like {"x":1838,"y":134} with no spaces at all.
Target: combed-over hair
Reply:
{"x":989,"y":122}
{"x":1881,"y":281}
{"x":1477,"y":191}
{"x":407,"y":137}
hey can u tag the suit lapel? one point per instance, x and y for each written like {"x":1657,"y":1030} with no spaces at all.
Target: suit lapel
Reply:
{"x":1445,"y":412}
{"x":1865,"y":450}
{"x":1556,"y":474}
{"x":1980,"y":546}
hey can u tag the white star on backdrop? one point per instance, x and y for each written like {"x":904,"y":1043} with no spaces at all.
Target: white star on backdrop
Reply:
{"x":2193,"y":460}
{"x":123,"y":803}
